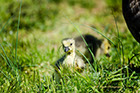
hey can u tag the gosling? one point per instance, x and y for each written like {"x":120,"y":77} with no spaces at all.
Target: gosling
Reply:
{"x":97,"y":46}
{"x":70,"y":60}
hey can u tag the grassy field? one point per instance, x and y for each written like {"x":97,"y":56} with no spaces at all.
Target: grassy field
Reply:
{"x":30,"y":43}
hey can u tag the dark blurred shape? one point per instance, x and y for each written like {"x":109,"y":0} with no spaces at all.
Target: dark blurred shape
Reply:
{"x":131,"y":13}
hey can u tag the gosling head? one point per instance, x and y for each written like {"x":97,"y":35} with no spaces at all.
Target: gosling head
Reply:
{"x":106,"y":47}
{"x":68,"y":45}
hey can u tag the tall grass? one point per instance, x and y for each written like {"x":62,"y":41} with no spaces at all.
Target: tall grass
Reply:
{"x":22,"y":67}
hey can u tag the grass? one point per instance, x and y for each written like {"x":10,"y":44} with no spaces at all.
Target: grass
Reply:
{"x":26,"y":56}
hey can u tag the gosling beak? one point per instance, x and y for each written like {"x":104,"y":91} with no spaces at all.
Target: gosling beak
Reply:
{"x":66,"y":49}
{"x":108,"y":55}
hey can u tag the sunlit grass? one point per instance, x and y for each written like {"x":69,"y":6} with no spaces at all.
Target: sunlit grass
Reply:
{"x":26,"y":58}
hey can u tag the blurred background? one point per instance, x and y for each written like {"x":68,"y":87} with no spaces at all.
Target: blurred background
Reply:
{"x":44,"y":14}
{"x":44,"y":23}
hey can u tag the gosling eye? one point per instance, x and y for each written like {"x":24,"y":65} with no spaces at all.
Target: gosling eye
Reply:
{"x":70,"y":44}
{"x":108,"y":47}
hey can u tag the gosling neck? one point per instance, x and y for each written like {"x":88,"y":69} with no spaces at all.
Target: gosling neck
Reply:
{"x":72,"y":53}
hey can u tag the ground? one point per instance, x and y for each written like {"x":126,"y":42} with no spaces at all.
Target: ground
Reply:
{"x":39,"y":47}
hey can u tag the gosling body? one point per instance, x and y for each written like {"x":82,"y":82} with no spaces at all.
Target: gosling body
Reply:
{"x":97,"y":46}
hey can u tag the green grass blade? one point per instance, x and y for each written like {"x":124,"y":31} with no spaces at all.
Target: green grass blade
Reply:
{"x":117,"y":75}
{"x":86,"y":60}
{"x":9,"y":61}
{"x":5,"y":75}
{"x":118,"y":79}
{"x":5,"y":24}
{"x":17,"y":32}
{"x":18,"y":76}
{"x":113,"y":73}
{"x":5,"y":60}
{"x":97,"y":32}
